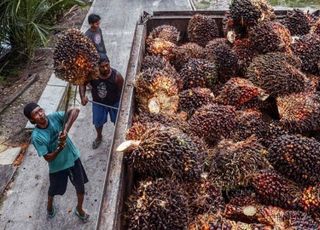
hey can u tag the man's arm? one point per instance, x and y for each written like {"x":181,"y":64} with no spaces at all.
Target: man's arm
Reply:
{"x":119,"y":82}
{"x":51,"y":156}
{"x":72,"y":116}
{"x":82,"y":91}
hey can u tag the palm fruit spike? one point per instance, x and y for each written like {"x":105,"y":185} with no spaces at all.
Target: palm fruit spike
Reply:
{"x":270,"y":36}
{"x":277,"y":74}
{"x":204,"y":197}
{"x":157,"y":91}
{"x":191,"y":99}
{"x":153,"y":62}
{"x":167,"y":152}
{"x":307,"y":48}
{"x":249,"y":122}
{"x":198,"y":73}
{"x":297,"y":22}
{"x":216,"y":221}
{"x":233,"y":30}
{"x":234,"y":162}
{"x":310,"y":200}
{"x":213,"y":122}
{"x":296,"y":157}
{"x":159,"y":204}
{"x":238,"y":91}
{"x":299,"y":112}
{"x":202,"y":29}
{"x":245,"y":53}
{"x":159,"y":46}
{"x":249,"y":12}
{"x":225,"y":59}
{"x":182,"y":54}
{"x":75,"y":58}
{"x":274,"y":189}
{"x":165,"y":32}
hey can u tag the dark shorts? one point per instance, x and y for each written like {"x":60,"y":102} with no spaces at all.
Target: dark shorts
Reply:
{"x":59,"y":180}
{"x":100,"y":114}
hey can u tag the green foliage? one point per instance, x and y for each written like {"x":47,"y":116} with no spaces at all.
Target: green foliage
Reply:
{"x":26,"y":24}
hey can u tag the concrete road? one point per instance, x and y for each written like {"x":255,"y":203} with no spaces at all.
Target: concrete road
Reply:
{"x":24,"y":205}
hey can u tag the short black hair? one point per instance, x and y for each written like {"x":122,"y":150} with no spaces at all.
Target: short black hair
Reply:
{"x":103,"y":58}
{"x":93,"y":18}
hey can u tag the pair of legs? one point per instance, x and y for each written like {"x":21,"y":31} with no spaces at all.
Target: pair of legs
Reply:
{"x":100,"y":117}
{"x":58,"y":186}
{"x":79,"y":205}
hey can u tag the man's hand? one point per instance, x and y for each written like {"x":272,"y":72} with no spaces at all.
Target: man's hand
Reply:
{"x":84,"y":100}
{"x":62,"y":139}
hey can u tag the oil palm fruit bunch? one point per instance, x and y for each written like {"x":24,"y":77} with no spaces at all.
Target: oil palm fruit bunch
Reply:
{"x":274,"y":189}
{"x":249,"y":12}
{"x":270,"y":36}
{"x":157,"y":91}
{"x":198,"y":73}
{"x":225,"y":59}
{"x":76,"y":59}
{"x":273,"y":131}
{"x":310,"y":200}
{"x":202,"y":29}
{"x":238,"y":92}
{"x":297,"y":157}
{"x":234,"y":162}
{"x":277,"y":74}
{"x":182,"y":54}
{"x":299,"y":220}
{"x":165,"y":32}
{"x":138,"y":129}
{"x":157,"y":204}
{"x":213,"y":122}
{"x":204,"y":197}
{"x":316,"y":27}
{"x":192,"y":99}
{"x":307,"y":48}
{"x":299,"y":112}
{"x":217,"y":221}
{"x":249,"y":122}
{"x":298,"y":22}
{"x":162,"y":47}
{"x":165,"y":152}
{"x":242,"y":196}
{"x":245,"y":53}
{"x":256,"y":213}
{"x":159,"y":63}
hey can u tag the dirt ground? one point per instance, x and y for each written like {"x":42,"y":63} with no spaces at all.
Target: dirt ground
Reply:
{"x":12,"y":120}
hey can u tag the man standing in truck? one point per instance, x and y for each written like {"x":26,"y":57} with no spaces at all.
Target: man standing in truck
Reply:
{"x":106,"y":93}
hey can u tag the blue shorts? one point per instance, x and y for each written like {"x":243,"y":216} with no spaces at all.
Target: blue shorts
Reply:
{"x":100,"y":114}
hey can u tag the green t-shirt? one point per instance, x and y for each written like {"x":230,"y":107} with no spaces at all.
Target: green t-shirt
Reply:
{"x":46,"y":141}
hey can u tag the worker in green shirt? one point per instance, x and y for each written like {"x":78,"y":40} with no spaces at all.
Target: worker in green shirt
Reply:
{"x":53,"y":143}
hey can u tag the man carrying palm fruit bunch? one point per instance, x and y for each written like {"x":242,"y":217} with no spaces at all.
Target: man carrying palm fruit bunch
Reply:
{"x":106,"y":93}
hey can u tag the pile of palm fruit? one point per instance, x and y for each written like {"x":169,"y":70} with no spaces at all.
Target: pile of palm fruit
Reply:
{"x":225,"y":131}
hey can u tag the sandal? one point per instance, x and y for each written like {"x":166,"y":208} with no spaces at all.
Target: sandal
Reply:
{"x":52,"y":213}
{"x":84,"y":218}
{"x":96,"y":143}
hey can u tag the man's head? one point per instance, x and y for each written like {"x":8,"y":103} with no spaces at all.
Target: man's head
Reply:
{"x":35,"y":113}
{"x":104,"y":65}
{"x":94,"y":21}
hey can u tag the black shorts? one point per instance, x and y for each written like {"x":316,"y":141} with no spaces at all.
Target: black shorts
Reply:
{"x":59,"y":180}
